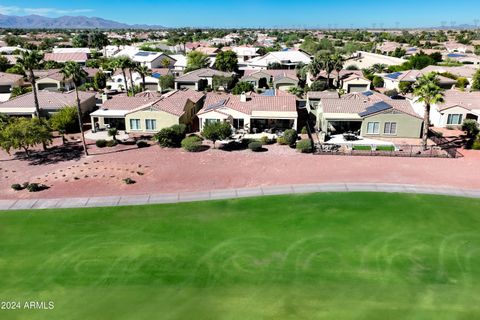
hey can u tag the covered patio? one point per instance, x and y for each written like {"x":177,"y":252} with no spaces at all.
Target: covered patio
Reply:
{"x":104,"y":119}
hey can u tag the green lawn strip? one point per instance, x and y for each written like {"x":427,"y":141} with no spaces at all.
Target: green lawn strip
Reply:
{"x":327,"y":256}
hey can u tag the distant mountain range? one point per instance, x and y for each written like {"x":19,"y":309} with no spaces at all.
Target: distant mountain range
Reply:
{"x":66,"y":22}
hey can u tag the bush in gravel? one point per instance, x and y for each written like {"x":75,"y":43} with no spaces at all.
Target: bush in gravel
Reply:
{"x":192,"y":144}
{"x":111,"y":143}
{"x":290,"y":136}
{"x":129,"y":181}
{"x":304,"y":130}
{"x":305,"y":146}
{"x":171,"y":137}
{"x":101,"y":143}
{"x":281,"y":141}
{"x":255,"y":146}
{"x":17,"y":187}
{"x":142,"y":144}
{"x":265,"y":140}
{"x":35,"y":187}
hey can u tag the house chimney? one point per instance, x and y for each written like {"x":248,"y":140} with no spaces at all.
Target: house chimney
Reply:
{"x":104,"y":97}
{"x":243,"y":97}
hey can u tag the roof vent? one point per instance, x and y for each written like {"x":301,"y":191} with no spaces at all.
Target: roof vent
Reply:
{"x":243,"y":97}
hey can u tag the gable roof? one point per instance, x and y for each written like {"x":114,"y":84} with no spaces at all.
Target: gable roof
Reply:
{"x":47,"y":100}
{"x":197,"y":75}
{"x":365,"y":108}
{"x":64,"y":57}
{"x":9,"y":78}
{"x":466,"y":100}
{"x":214,"y":101}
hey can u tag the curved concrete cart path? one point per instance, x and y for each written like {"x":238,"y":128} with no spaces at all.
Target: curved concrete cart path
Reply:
{"x":229,"y":194}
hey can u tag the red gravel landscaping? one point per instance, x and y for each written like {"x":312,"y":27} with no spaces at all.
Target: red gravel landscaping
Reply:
{"x":157,"y":170}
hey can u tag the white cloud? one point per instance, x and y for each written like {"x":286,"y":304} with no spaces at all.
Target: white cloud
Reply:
{"x":8,"y":10}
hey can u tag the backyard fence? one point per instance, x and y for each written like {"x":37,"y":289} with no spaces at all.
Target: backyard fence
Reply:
{"x":397,"y":151}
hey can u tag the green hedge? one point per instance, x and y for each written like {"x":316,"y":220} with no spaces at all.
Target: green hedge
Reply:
{"x":192,"y":143}
{"x":362,"y":148}
{"x":385,"y":148}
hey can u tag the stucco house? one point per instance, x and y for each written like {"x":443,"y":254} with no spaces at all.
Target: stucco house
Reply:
{"x":146,"y":58}
{"x":355,"y":83}
{"x":8,"y":81}
{"x":287,"y":59}
{"x":148,"y":112}
{"x":251,"y":113}
{"x":52,"y":80}
{"x":392,"y":81}
{"x":368,"y":114}
{"x":117,"y":82}
{"x":199,"y":79}
{"x":364,"y":60}
{"x":457,"y":106}
{"x":277,"y":79}
{"x":49,"y":101}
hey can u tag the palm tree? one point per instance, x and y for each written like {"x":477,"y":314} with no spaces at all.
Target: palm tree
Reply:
{"x":30,"y":60}
{"x":123,"y":63}
{"x":132,"y":65}
{"x":75,"y":72}
{"x":338,"y":62}
{"x":427,"y":90}
{"x":143,"y":71}
{"x":166,"y":63}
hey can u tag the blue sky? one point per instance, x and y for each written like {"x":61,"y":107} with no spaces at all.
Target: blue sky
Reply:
{"x":260,"y":13}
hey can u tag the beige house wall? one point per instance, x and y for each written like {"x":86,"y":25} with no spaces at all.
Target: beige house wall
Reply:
{"x":407,"y":126}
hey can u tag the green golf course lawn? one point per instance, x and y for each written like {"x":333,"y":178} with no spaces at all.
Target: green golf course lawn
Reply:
{"x":317,"y":256}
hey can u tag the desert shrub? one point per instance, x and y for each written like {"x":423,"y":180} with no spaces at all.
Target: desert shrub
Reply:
{"x":101,"y":143}
{"x":35,"y":187}
{"x":255,"y":146}
{"x":171,"y":137}
{"x":264,"y":140}
{"x":17,"y":187}
{"x":192,"y":144}
{"x":305,"y":146}
{"x":476,"y":144}
{"x":470,"y":126}
{"x":142,"y":144}
{"x":290,"y":136}
{"x":111,"y":143}
{"x":391,"y":93}
{"x":281,"y":141}
{"x":304,"y":130}
{"x":129,"y":181}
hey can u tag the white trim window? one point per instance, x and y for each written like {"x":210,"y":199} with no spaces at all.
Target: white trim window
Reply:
{"x":390,"y":128}
{"x":150,"y":124}
{"x":135,"y":124}
{"x":454,"y":119}
{"x":373,"y":128}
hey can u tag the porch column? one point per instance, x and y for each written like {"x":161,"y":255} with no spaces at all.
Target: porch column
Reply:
{"x":295,"y":124}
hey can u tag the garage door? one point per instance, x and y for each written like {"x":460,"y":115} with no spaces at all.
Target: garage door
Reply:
{"x":4,"y":89}
{"x":151,"y":86}
{"x":47,"y":86}
{"x":186,"y":86}
{"x":357,"y":88}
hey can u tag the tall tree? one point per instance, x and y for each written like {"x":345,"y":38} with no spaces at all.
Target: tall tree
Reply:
{"x":338,"y":63}
{"x":123,"y":63}
{"x":197,"y":60}
{"x":226,"y":61}
{"x":427,"y":91}
{"x":29,"y":61}
{"x":143,"y":71}
{"x":75,"y":72}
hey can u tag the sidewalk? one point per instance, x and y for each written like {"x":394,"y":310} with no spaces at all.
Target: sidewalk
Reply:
{"x":230,"y":194}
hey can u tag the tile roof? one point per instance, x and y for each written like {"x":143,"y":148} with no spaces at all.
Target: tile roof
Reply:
{"x":175,"y":102}
{"x":9,"y":78}
{"x":200,"y":74}
{"x":365,"y":107}
{"x":467,"y":100}
{"x":64,"y":57}
{"x":287,"y":103}
{"x":124,"y":102}
{"x":47,"y":100}
{"x":322,"y":94}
